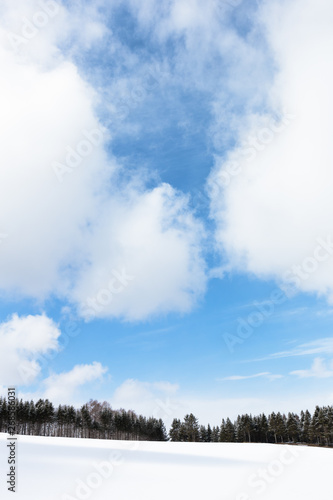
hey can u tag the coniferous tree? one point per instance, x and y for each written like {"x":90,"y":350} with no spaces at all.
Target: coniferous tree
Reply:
{"x":86,"y":421}
{"x":32,"y":418}
{"x":215,"y":435}
{"x":191,"y":428}
{"x":264,"y":428}
{"x":203,"y":434}
{"x":247,"y":425}
{"x":223,"y":435}
{"x":98,"y":420}
{"x":329,"y":432}
{"x":240,"y":431}
{"x":230,"y":431}
{"x":209,"y":433}
{"x":316,"y":423}
{"x":3,"y":415}
{"x":305,"y":426}
{"x":174,"y":432}
{"x":272,"y":425}
{"x":281,"y":427}
{"x":293,"y":427}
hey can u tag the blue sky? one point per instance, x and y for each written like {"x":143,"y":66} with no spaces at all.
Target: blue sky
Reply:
{"x":166,"y":204}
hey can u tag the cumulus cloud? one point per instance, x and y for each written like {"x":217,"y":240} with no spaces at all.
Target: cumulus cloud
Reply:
{"x":212,"y":55}
{"x":156,"y":240}
{"x":271,"y":195}
{"x":158,"y":399}
{"x":173,"y":402}
{"x":69,"y":387}
{"x":68,"y":219}
{"x":23,"y":340}
{"x":319,"y":369}
{"x":63,"y":387}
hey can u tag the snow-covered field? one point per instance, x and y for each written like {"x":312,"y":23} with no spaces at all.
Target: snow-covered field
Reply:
{"x":68,"y":469}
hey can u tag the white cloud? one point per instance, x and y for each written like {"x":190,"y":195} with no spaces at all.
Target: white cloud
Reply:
{"x":158,"y":399}
{"x":318,"y":369}
{"x":23,"y":340}
{"x":145,"y":398}
{"x":267,"y":375}
{"x":318,"y":346}
{"x":154,"y":237}
{"x":63,"y":387}
{"x":33,"y":29}
{"x":168,"y":401}
{"x":211,"y":55}
{"x":276,"y":201}
{"x":66,"y":238}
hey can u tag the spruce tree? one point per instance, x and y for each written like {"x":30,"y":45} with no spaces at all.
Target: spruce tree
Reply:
{"x":230,"y":431}
{"x":203,"y":434}
{"x":293,"y":428}
{"x":174,"y":431}
{"x":191,"y":428}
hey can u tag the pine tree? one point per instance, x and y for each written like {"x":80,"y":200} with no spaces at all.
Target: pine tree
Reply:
{"x":209,"y":433}
{"x":247,"y":424}
{"x":32,"y":418}
{"x":3,"y":415}
{"x":40,"y":416}
{"x":264,"y":428}
{"x":230,"y":434}
{"x":215,"y":434}
{"x":203,"y":434}
{"x":174,"y":431}
{"x":86,"y":421}
{"x":223,"y":434}
{"x":293,"y":429}
{"x":273,"y":425}
{"x":281,"y":426}
{"x":49,"y":417}
{"x":316,"y":426}
{"x":191,"y":428}
{"x":330,"y":424}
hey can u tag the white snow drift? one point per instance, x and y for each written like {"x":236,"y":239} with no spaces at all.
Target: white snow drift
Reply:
{"x":72,"y":469}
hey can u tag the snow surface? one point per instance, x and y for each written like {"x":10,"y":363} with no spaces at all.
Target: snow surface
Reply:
{"x":68,"y":469}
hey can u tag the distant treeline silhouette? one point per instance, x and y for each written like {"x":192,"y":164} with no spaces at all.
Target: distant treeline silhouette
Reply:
{"x":98,"y":420}
{"x":305,"y":428}
{"x":92,"y":420}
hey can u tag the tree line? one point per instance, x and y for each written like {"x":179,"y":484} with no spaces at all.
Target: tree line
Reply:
{"x":92,"y":420}
{"x":316,"y":429}
{"x":98,"y":420}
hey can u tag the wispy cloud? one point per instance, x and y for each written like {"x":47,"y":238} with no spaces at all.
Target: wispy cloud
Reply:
{"x":267,"y":375}
{"x":319,"y":369}
{"x":157,"y":332}
{"x":319,"y":346}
